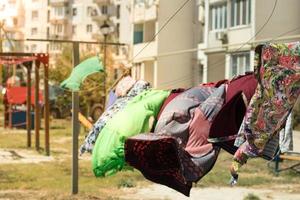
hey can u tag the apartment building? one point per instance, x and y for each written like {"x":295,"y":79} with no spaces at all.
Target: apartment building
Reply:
{"x":232,"y":29}
{"x":12,"y":15}
{"x":36,"y":25}
{"x":166,"y":61}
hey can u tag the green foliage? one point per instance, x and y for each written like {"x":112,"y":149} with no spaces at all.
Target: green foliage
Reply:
{"x":92,"y":90}
{"x":251,"y":197}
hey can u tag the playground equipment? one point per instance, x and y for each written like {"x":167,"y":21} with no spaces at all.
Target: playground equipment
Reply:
{"x":30,"y":60}
{"x":15,"y":107}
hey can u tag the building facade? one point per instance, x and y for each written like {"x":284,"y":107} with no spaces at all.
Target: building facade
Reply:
{"x":234,"y":27}
{"x":167,"y":61}
{"x":12,"y":18}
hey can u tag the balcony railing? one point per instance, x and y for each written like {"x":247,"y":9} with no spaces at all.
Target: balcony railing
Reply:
{"x":58,"y":2}
{"x":148,"y":53}
{"x":145,"y":13}
{"x":102,"y":2}
{"x":60,"y":36}
{"x":60,"y":20}
{"x":99,"y":16}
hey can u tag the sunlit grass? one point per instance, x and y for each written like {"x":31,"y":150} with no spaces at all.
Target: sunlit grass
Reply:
{"x":52,"y":180}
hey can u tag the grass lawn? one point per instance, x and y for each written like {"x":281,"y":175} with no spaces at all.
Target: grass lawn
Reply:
{"x":52,"y":180}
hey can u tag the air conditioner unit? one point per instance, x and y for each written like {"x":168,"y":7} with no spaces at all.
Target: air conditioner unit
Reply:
{"x":221,"y":35}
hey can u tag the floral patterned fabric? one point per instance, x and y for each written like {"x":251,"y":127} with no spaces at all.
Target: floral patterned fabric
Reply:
{"x":119,"y":104}
{"x":278,"y":74}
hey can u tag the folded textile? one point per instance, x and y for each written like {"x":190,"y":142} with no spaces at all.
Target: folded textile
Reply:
{"x":278,"y":73}
{"x":108,"y":153}
{"x":81,"y":71}
{"x":118,"y":105}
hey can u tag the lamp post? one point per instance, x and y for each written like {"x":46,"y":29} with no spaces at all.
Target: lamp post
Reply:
{"x":105,"y":30}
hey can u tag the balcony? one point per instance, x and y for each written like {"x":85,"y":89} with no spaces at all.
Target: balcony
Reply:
{"x":102,"y":2}
{"x":60,"y":36}
{"x":97,"y":36}
{"x":142,"y":13}
{"x":100,"y":18}
{"x":58,"y":2}
{"x":148,"y":53}
{"x":59,"y":20}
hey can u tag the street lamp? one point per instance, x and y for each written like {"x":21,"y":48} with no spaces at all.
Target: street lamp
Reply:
{"x":105,"y":29}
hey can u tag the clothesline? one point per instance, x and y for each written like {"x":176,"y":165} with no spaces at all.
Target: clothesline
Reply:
{"x":180,"y":140}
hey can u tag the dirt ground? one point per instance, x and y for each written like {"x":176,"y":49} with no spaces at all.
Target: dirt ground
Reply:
{"x":14,"y":155}
{"x":212,"y":193}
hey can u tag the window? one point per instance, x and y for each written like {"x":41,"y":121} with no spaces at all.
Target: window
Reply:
{"x":58,"y":11}
{"x":116,"y":74}
{"x":15,"y":21}
{"x":74,"y":11}
{"x":89,"y":28}
{"x":59,"y":28}
{"x":118,"y":11}
{"x":34,"y":31}
{"x":33,"y":47}
{"x":240,"y":63}
{"x":34,"y":15}
{"x":104,"y":10}
{"x":74,"y":28}
{"x":48,"y":16}
{"x":118,"y":30}
{"x":240,"y":12}
{"x":218,"y":16}
{"x":89,"y":11}
{"x":138,"y":35}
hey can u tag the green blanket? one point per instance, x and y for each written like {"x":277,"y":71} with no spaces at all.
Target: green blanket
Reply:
{"x":81,"y":71}
{"x":108,"y":153}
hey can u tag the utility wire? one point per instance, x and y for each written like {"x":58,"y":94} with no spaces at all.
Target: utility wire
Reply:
{"x":161,"y":28}
{"x":259,"y":31}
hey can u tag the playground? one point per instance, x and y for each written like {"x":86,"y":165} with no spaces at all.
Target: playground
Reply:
{"x":28,"y":174}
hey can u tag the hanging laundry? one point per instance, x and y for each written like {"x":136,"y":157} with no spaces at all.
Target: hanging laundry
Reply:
{"x":200,"y":125}
{"x":112,"y":97}
{"x":286,"y":136}
{"x":278,"y":73}
{"x":108,"y":153}
{"x":81,"y":71}
{"x":174,"y":93}
{"x":167,"y":159}
{"x":176,"y":116}
{"x":226,"y":124}
{"x":90,"y":140}
{"x":124,"y":85}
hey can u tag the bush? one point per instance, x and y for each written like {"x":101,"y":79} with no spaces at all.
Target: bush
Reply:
{"x":251,"y":197}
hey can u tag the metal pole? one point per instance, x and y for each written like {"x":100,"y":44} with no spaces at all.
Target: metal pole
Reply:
{"x":75,"y":126}
{"x":36,"y":106}
{"x":1,"y":49}
{"x":105,"y":68}
{"x":46,"y":109}
{"x":28,"y":113}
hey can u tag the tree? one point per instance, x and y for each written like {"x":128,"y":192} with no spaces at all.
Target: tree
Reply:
{"x":92,"y":90}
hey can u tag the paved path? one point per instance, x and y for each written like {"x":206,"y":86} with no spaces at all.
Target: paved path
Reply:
{"x":8,"y":156}
{"x":296,"y":139}
{"x":159,"y":192}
